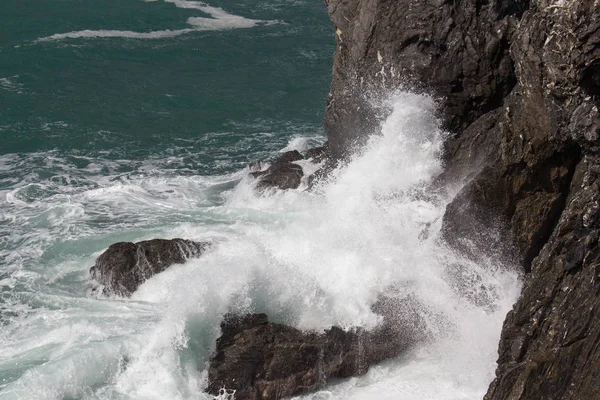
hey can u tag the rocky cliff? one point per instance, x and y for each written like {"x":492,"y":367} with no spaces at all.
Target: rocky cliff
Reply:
{"x":519,"y":83}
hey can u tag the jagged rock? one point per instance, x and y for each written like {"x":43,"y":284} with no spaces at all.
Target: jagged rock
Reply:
{"x":322,"y":173}
{"x":550,"y":341}
{"x":460,"y":51}
{"x":124,"y":266}
{"x":283,"y":173}
{"x":318,"y":154}
{"x":262,"y":360}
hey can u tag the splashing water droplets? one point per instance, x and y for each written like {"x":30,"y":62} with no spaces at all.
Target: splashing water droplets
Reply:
{"x":313,"y":260}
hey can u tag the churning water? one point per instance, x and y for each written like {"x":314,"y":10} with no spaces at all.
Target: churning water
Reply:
{"x":108,"y":136}
{"x":311,"y":259}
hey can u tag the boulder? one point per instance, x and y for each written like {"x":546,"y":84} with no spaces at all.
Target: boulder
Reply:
{"x":263,"y":360}
{"x":282,"y":173}
{"x":124,"y":266}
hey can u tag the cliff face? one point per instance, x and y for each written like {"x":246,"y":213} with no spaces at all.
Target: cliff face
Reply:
{"x":520,"y":83}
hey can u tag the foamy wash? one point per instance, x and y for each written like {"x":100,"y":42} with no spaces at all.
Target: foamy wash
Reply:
{"x":73,"y":183}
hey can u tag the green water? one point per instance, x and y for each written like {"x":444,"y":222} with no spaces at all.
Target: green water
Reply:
{"x":130,"y":137}
{"x":234,"y":94}
{"x":130,"y":120}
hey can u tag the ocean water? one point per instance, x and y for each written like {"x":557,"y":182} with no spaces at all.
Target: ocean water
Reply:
{"x":131,"y":120}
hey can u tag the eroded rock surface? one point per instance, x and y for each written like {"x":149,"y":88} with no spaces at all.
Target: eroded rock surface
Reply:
{"x":458,"y":49}
{"x":124,"y":266}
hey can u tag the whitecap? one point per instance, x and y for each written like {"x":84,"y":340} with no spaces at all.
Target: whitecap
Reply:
{"x":10,"y":84}
{"x":115,"y":34}
{"x":219,"y":20}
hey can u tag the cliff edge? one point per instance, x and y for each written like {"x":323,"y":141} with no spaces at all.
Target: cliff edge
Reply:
{"x":519,"y":83}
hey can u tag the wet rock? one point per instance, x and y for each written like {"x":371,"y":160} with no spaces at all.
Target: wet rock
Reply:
{"x":321,"y":175}
{"x":259,"y":359}
{"x":549,"y":343}
{"x":458,"y":51}
{"x":124,"y":266}
{"x":286,"y":176}
{"x":283,"y":172}
{"x":318,"y":154}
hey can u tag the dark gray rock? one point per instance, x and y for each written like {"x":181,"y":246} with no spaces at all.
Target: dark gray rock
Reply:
{"x":285,"y":176}
{"x":282,"y":173}
{"x":124,"y":266}
{"x":550,"y":341}
{"x":460,"y":50}
{"x":318,"y":154}
{"x":259,"y":359}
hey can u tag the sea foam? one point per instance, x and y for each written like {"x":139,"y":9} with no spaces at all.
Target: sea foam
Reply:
{"x":309,"y":259}
{"x":219,"y":20}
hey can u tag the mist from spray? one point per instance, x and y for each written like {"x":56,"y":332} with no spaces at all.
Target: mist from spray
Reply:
{"x":311,"y":259}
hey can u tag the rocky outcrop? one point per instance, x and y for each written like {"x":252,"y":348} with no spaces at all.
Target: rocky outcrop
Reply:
{"x":124,"y":266}
{"x":263,"y":360}
{"x":283,"y":172}
{"x":458,"y":49}
{"x":550,"y":344}
{"x":519,"y":83}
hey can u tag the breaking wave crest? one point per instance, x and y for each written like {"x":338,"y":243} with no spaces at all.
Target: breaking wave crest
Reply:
{"x":310,"y":259}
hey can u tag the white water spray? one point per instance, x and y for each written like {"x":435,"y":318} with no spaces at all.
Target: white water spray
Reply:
{"x":310,"y":259}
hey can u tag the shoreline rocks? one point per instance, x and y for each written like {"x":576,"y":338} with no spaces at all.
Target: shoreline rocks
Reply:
{"x":124,"y":266}
{"x":258,"y":359}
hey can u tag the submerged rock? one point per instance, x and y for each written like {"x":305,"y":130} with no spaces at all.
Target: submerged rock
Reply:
{"x":124,"y":266}
{"x":263,"y":360}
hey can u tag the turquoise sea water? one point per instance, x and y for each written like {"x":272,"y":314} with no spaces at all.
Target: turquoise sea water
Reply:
{"x":82,"y":115}
{"x":131,"y":120}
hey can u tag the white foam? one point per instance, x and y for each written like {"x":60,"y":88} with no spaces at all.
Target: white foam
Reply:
{"x":220,"y":20}
{"x":11,"y":84}
{"x":85,"y":34}
{"x":316,"y":261}
{"x":302,"y":143}
{"x":310,"y":259}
